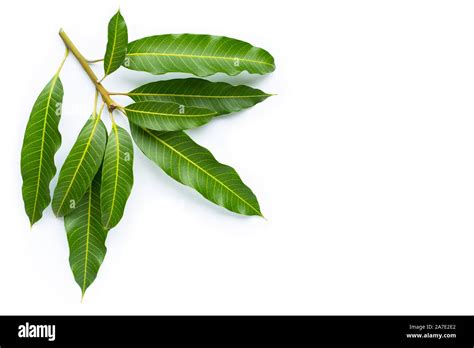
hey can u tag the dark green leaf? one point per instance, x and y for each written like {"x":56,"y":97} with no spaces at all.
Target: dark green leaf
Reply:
{"x":116,"y":44}
{"x":41,"y":141}
{"x":201,"y":55}
{"x":86,"y":236}
{"x":192,"y":165}
{"x":216,"y":96}
{"x":80,"y":166}
{"x":167,"y":116}
{"x":117,"y":176}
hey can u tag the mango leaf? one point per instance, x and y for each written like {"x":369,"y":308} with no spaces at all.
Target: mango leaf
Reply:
{"x":81,"y":165}
{"x":201,"y":55}
{"x":116,"y":44}
{"x":192,"y":165}
{"x":86,"y":236}
{"x":40,"y":143}
{"x":117,"y":176}
{"x":167,"y":116}
{"x":216,"y":96}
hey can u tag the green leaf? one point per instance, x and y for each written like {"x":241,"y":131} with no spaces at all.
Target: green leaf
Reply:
{"x":116,"y":44}
{"x":86,"y":236}
{"x":192,"y":165}
{"x":167,"y":116}
{"x":80,"y":166}
{"x":40,"y":143}
{"x":217,"y":96}
{"x":201,"y":55}
{"x":117,"y":176}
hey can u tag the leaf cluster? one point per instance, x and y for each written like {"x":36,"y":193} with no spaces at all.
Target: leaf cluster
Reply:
{"x":96,"y":179}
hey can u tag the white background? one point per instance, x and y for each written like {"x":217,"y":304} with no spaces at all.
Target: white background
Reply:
{"x":363,"y":164}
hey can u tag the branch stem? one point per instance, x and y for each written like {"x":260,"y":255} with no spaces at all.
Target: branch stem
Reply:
{"x":111,"y":105}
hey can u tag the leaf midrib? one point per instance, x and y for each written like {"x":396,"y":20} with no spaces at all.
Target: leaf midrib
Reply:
{"x":203,"y":170}
{"x":194,"y":56}
{"x":87,"y":240}
{"x":169,"y":115}
{"x":199,"y":95}
{"x":116,"y":173}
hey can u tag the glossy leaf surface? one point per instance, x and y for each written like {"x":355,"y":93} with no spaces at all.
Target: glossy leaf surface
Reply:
{"x":117,"y":176}
{"x":201,"y":55}
{"x":216,"y":96}
{"x":116,"y":44}
{"x":86,"y":236}
{"x":80,"y":167}
{"x":192,"y":165}
{"x":167,"y":116}
{"x":41,"y":141}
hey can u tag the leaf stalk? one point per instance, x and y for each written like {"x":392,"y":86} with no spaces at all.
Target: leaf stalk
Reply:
{"x":95,"y":61}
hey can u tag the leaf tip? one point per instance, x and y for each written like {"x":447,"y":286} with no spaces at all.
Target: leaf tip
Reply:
{"x":32,"y":222}
{"x":83,"y":293}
